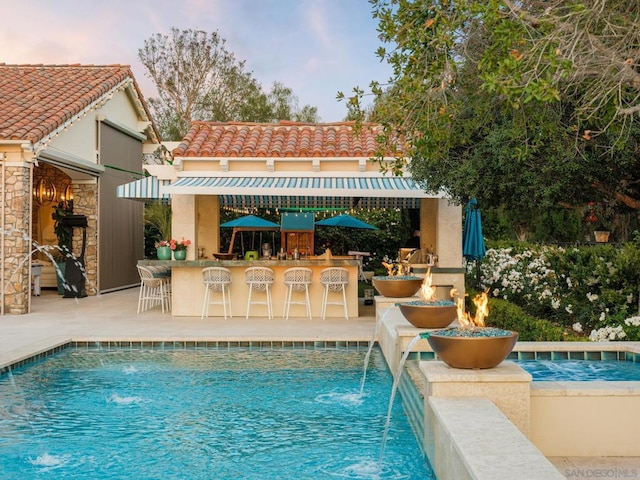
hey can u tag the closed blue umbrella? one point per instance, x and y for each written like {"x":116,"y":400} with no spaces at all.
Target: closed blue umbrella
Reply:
{"x":473,"y":247}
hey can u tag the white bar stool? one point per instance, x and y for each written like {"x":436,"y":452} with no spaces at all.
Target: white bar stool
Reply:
{"x":334,"y":279}
{"x":297,"y":279}
{"x":260,"y":279}
{"x":216,"y":279}
{"x":154,"y":290}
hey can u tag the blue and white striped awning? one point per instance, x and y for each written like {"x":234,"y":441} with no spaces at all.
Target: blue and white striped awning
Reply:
{"x":309,"y":191}
{"x":147,"y":189}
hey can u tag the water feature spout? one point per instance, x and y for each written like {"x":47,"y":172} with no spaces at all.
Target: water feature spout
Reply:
{"x":371,"y":343}
{"x":394,"y":388}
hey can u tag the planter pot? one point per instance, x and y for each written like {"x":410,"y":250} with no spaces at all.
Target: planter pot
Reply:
{"x":163,"y":253}
{"x":601,"y":236}
{"x":472,"y":351}
{"x":423,"y":315}
{"x":397,"y":286}
{"x":179,"y":254}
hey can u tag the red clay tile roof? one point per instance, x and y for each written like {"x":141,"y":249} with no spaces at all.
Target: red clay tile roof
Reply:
{"x":35,"y":100}
{"x":284,"y":139}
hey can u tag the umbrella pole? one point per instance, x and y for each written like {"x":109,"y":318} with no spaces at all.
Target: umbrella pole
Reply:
{"x":477,"y":274}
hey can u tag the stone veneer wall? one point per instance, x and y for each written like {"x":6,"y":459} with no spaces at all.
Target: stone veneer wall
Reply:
{"x":85,"y":202}
{"x":16,"y":239}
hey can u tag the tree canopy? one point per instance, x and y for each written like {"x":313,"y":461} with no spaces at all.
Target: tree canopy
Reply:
{"x":197,"y":78}
{"x":525,"y":105}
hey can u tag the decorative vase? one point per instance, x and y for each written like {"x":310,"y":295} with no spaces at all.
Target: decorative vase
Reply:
{"x":179,"y":254}
{"x":479,"y":349}
{"x":163,"y":253}
{"x":398,"y":286}
{"x":601,"y":236}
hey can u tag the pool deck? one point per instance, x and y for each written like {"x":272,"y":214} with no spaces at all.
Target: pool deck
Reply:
{"x":113,"y":316}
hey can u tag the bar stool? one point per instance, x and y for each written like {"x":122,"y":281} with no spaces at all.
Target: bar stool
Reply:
{"x":154,"y":290}
{"x":334,"y":279}
{"x":260,"y":279}
{"x":297,"y":279}
{"x":216,"y":279}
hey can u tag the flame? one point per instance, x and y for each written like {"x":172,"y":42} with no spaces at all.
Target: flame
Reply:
{"x":481,"y":301}
{"x":397,"y":269}
{"x":427,"y":292}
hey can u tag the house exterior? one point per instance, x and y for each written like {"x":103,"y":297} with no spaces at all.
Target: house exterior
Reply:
{"x":291,"y":165}
{"x":69,"y":134}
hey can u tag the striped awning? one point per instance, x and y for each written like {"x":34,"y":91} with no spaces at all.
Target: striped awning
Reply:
{"x":146,"y":189}
{"x":309,"y":191}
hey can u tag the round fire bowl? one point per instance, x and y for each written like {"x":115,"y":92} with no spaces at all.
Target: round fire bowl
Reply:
{"x":397,"y":287}
{"x":429,"y":316}
{"x":472,"y":352}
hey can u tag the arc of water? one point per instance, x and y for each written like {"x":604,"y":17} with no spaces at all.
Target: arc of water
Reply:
{"x":396,"y":382}
{"x":371,"y":343}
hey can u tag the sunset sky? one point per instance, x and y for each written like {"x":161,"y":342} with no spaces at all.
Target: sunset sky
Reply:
{"x":315,"y":47}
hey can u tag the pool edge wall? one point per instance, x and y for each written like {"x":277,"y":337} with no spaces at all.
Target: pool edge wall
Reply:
{"x":452,"y":446}
{"x":586,"y":419}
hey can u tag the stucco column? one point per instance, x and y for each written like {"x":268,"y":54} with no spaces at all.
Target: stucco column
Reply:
{"x":208,"y":224}
{"x":441,"y":232}
{"x":183,"y":222}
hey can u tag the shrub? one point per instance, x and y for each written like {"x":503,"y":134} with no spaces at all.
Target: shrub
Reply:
{"x":506,"y":315}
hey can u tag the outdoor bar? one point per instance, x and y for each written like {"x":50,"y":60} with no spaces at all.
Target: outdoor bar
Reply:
{"x":188,"y":289}
{"x":286,"y":167}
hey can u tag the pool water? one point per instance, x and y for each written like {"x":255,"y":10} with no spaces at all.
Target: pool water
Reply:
{"x":581,"y":370}
{"x":204,"y":414}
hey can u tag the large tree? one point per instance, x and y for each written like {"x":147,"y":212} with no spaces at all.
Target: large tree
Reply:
{"x":197,"y":78}
{"x":522,"y":104}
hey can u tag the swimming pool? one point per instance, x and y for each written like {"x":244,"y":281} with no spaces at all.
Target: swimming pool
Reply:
{"x":581,"y":370}
{"x":203,"y":414}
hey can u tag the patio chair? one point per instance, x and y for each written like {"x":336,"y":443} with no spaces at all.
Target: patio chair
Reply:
{"x":154,"y":290}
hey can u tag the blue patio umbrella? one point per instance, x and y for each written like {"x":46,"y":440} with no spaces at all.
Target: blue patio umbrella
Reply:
{"x":473,"y":247}
{"x":346,"y":221}
{"x":249,"y":223}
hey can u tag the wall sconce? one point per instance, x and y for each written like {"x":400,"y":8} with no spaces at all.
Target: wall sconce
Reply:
{"x":45,"y":191}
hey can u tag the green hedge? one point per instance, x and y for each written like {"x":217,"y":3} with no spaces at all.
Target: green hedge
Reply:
{"x":506,"y":315}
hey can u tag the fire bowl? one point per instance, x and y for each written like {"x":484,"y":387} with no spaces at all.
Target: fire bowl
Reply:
{"x":473,"y":351}
{"x":429,"y":314}
{"x":397,"y":286}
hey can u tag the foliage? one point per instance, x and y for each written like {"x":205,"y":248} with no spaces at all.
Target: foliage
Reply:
{"x":179,"y":245}
{"x":62,"y":232}
{"x":588,"y":289}
{"x":506,"y":315}
{"x":524,"y":105}
{"x":158,"y":216}
{"x":197,"y":78}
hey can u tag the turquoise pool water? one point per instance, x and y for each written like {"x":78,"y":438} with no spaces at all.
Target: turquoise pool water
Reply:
{"x":581,"y":370}
{"x":203,"y":414}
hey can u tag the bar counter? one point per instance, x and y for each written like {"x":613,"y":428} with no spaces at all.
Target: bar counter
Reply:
{"x":188,"y":288}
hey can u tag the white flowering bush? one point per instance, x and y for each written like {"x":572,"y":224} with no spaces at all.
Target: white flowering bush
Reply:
{"x":585,"y":289}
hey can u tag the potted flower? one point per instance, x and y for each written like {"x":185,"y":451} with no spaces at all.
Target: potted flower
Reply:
{"x":163,"y":249}
{"x":179,"y":248}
